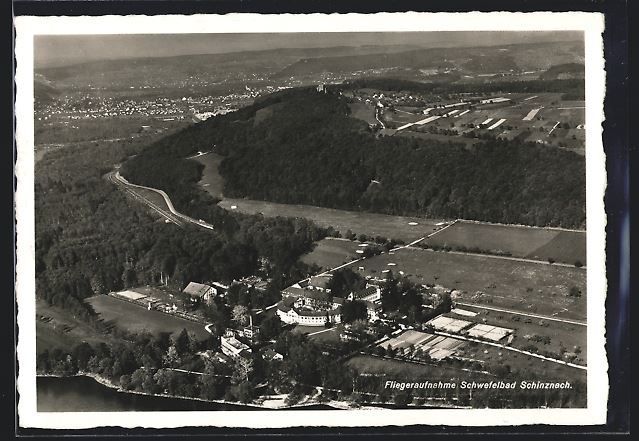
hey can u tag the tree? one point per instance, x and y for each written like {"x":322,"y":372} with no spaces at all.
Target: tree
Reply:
{"x":390,"y":293}
{"x":344,"y":281}
{"x":574,"y":291}
{"x":270,"y":328}
{"x":182,"y":342}
{"x":82,"y":353}
{"x":355,"y":310}
{"x":240,"y":314}
{"x":245,"y":392}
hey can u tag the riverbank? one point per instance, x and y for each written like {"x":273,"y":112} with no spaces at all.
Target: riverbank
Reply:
{"x":269,"y":402}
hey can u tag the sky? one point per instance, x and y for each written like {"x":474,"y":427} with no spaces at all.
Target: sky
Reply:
{"x":63,"y":50}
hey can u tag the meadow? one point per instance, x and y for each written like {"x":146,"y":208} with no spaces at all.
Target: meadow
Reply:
{"x":331,"y":252}
{"x":370,"y":224}
{"x":520,"y":241}
{"x":135,"y":318}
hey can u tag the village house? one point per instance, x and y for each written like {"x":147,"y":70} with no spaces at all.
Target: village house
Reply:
{"x":200,"y":292}
{"x":236,"y":350}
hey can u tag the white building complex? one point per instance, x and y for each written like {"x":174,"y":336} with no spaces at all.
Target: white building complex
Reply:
{"x":314,"y":306}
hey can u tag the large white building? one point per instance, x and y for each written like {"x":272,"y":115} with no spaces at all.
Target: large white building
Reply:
{"x":310,"y":308}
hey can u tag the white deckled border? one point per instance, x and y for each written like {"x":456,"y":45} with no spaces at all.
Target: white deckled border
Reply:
{"x":592,"y":24}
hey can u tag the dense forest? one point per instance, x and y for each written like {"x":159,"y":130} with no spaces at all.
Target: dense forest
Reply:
{"x":307,"y":151}
{"x":92,"y":239}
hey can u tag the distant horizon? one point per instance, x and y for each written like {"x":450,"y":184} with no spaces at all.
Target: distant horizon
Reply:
{"x":66,"y":50}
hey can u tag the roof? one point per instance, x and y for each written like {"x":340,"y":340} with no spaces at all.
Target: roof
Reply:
{"x":321,"y":313}
{"x":196,"y":289}
{"x":286,"y":305}
{"x":294,"y":291}
{"x":271,"y":353}
{"x":369,"y":290}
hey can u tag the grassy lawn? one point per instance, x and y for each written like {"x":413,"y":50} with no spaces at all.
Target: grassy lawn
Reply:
{"x":134,"y":318}
{"x":567,"y":247}
{"x":522,"y":286}
{"x":529,"y":242}
{"x":322,"y":334}
{"x":331,"y":252}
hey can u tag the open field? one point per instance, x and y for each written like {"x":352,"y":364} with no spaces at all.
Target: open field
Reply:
{"x":528,"y":242}
{"x":565,"y":247}
{"x":522,"y":286}
{"x":56,"y":328}
{"x":560,"y":334}
{"x":371,"y":224}
{"x":522,"y":363}
{"x":331,"y":252}
{"x":134,"y":318}
{"x":211,"y":179}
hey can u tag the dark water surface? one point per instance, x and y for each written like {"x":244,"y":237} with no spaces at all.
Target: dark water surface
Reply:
{"x":84,"y":394}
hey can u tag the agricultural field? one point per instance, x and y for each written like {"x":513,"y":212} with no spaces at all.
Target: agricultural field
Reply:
{"x":519,"y":241}
{"x":370,"y":224}
{"x":211,"y":180}
{"x":542,"y":118}
{"x":331,"y":252}
{"x":529,"y":287}
{"x":134,"y":318}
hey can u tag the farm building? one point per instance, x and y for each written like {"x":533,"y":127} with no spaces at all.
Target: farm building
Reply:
{"x":200,"y":291}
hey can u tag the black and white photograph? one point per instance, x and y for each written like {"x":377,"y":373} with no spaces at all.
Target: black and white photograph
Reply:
{"x":319,"y":220}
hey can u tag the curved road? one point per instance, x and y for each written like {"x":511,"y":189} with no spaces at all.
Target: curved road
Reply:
{"x":121,"y":180}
